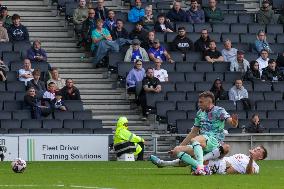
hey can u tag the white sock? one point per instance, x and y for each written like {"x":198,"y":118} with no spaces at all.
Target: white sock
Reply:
{"x":175,"y":163}
{"x":212,"y":155}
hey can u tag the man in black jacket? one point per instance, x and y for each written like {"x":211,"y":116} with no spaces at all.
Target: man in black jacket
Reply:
{"x":202,"y":44}
{"x":17,"y":32}
{"x":181,"y":42}
{"x":176,"y":14}
{"x":70,"y":92}
{"x":272,"y":72}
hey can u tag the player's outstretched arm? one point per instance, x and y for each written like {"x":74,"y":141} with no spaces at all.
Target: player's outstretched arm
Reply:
{"x":233,"y":120}
{"x":194,"y":132}
{"x":250,"y":169}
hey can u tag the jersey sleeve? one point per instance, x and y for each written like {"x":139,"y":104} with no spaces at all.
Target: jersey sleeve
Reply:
{"x":197,"y":119}
{"x":223,"y":114}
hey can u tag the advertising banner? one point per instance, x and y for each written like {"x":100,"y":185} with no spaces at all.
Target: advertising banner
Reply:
{"x":9,"y":146}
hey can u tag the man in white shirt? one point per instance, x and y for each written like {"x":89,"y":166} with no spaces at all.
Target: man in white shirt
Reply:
{"x":239,"y":64}
{"x":235,"y":164}
{"x":263,"y":60}
{"x":160,"y":73}
{"x":228,"y":52}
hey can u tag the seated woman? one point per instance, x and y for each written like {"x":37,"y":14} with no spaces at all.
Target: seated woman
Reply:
{"x":253,"y":73}
{"x":34,"y":104}
{"x":162,"y":25}
{"x":261,"y":42}
{"x":102,"y":42}
{"x":218,"y":90}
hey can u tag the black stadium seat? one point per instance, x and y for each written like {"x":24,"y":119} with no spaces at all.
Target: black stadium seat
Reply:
{"x":279,"y":105}
{"x":204,"y":67}
{"x":184,"y":125}
{"x":255,"y":28}
{"x":221,"y":28}
{"x":52,"y":123}
{"x":246,"y":18}
{"x":273,"y":95}
{"x":174,"y":115}
{"x":227,"y":104}
{"x":176,"y":76}
{"x":74,"y":105}
{"x":82,"y":115}
{"x":31,"y":124}
{"x":8,"y":123}
{"x":167,"y":86}
{"x":10,"y":56}
{"x":40,"y":131}
{"x":194,"y":77}
{"x":18,"y":131}
{"x":274,"y":28}
{"x":22,"y":47}
{"x":233,"y":37}
{"x":8,"y":46}
{"x":82,"y":131}
{"x":239,"y":28}
{"x":211,"y":76}
{"x":152,"y":98}
{"x":5,"y":115}
{"x":265,"y":105}
{"x":186,"y":105}
{"x":63,"y":115}
{"x":71,"y":123}
{"x":184,"y":67}
{"x":16,"y":86}
{"x":162,"y":108}
{"x":12,"y":105}
{"x":176,"y":96}
{"x":276,"y":114}
{"x":61,"y":131}
{"x":93,"y":123}
{"x":7,"y":95}
{"x":203,"y":86}
{"x":2,"y":86}
{"x":22,"y":114}
{"x":185,"y":86}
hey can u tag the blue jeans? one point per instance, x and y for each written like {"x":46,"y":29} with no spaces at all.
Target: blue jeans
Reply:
{"x":102,"y":48}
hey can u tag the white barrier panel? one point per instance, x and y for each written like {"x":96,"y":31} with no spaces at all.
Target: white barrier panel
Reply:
{"x":10,"y":143}
{"x":63,"y":148}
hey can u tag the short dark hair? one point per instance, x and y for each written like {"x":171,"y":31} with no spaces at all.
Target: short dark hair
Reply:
{"x":181,"y":28}
{"x":36,"y":72}
{"x":51,"y":83}
{"x":207,"y":94}
{"x":149,"y":69}
{"x":212,"y":41}
{"x":271,"y":61}
{"x":53,"y":69}
{"x":263,"y":50}
{"x":192,"y":1}
{"x":15,"y":17}
{"x":119,"y":20}
{"x":264,"y":154}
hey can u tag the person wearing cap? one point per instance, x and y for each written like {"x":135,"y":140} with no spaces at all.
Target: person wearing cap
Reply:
{"x":265,"y":15}
{"x":229,"y":53}
{"x":5,"y":17}
{"x":58,"y":103}
{"x":181,"y":42}
{"x":135,"y":75}
{"x":138,"y":32}
{"x":239,"y":64}
{"x":136,"y":52}
{"x":159,"y":52}
{"x":272,"y":72}
{"x":36,"y":54}
{"x":136,"y":13}
{"x":17,"y":32}
{"x":126,"y":141}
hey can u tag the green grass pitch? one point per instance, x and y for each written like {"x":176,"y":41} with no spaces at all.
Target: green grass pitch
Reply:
{"x":133,"y":175}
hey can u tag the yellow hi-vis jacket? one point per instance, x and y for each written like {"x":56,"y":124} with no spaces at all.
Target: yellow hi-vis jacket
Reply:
{"x":122,"y":134}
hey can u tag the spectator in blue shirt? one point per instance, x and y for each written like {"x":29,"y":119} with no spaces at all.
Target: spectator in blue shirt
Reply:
{"x":261,"y":42}
{"x":136,"y":13}
{"x":176,"y":14}
{"x":36,"y":53}
{"x":135,"y":75}
{"x":110,"y":22}
{"x":159,"y":52}
{"x":195,"y":15}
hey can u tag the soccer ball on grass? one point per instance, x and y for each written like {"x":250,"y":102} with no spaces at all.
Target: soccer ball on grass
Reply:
{"x":19,"y":165}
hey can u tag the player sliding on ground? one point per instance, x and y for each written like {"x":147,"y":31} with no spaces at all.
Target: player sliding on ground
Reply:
{"x":206,"y":135}
{"x":235,"y":164}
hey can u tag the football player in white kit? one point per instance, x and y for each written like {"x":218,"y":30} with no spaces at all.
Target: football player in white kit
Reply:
{"x":235,"y":164}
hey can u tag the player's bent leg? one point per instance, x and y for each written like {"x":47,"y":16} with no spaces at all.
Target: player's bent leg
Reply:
{"x":198,"y":143}
{"x":161,"y":163}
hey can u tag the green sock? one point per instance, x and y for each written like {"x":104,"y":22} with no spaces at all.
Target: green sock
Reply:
{"x":187,"y":159}
{"x":198,"y":152}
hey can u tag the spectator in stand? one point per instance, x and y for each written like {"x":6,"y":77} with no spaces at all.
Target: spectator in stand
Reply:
{"x":281,"y":17}
{"x":139,"y":33}
{"x":3,"y":33}
{"x":202,"y":44}
{"x":49,"y":95}
{"x":181,"y":42}
{"x":17,"y":32}
{"x":57,"y":103}
{"x":212,"y":13}
{"x":162,"y":25}
{"x":272,"y":72}
{"x":229,"y":54}
{"x":263,"y":60}
{"x":102,"y":43}
{"x":238,"y":91}
{"x":70,"y":92}
{"x":101,"y":10}
{"x":150,"y":84}
{"x":148,"y":20}
{"x":36,"y":54}
{"x":60,"y":83}
{"x":218,"y":90}
{"x":110,"y":22}
{"x":135,"y":75}
{"x":3,"y":70}
{"x":79,"y":16}
{"x":195,"y":15}
{"x":254,"y":125}
{"x":136,"y":13}
{"x":253,"y":73}
{"x":5,"y":17}
{"x":159,"y":52}
{"x":32,"y":102}
{"x":176,"y":14}
{"x":37,"y":84}
{"x":261,"y":42}
{"x":135,"y":52}
{"x":26,"y":74}
{"x":239,"y":64}
{"x":149,"y":41}
{"x":280,"y":61}
{"x":265,"y":15}
{"x":87,"y":27}
{"x":212,"y":54}
{"x":160,"y":73}
{"x":120,"y":34}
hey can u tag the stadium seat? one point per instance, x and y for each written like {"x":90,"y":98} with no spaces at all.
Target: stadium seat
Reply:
{"x":3,"y":131}
{"x":256,"y":96}
{"x":255,"y":28}
{"x":216,"y":37}
{"x":103,"y":131}
{"x":281,"y":123}
{"x":185,"y":86}
{"x":22,"y":47}
{"x":226,"y":85}
{"x":275,"y":114}
{"x":115,"y":57}
{"x":270,"y":38}
{"x":203,"y":67}
{"x":233,"y":37}
{"x":246,"y":18}
{"x":12,"y":105}
{"x":241,"y":114}
{"x":203,"y":86}
{"x":265,"y":105}
{"x":123,"y":68}
{"x":11,"y":56}
{"x":61,"y":115}
{"x":192,"y":96}
{"x":248,"y":38}
{"x":276,"y":130}
{"x":40,"y":131}
{"x":279,"y":105}
{"x":184,"y":67}
{"x":193,"y":56}
{"x":239,"y":28}
{"x":61,"y":131}
{"x":82,"y":131}
{"x":194,"y":77}
{"x":1,"y":105}
{"x":277,"y":47}
{"x":170,"y":36}
{"x":188,"y":27}
{"x":184,"y":125}
{"x":194,"y":36}
{"x":162,"y":108}
{"x":22,"y":114}
{"x":5,"y":115}
{"x":8,"y":123}
{"x":174,"y":115}
{"x":71,"y":123}
{"x":176,"y":96}
{"x":8,"y":46}
{"x":176,"y":76}
{"x":176,"y":56}
{"x":186,"y":105}
{"x":74,"y":105}
{"x":152,"y":98}
{"x":16,"y":65}
{"x":232,"y":76}
{"x":221,"y":28}
{"x":43,"y":67}
{"x":244,"y":46}
{"x":251,"y":56}
{"x":248,"y":86}
{"x":18,"y":131}
{"x":16,"y":86}
{"x":82,"y":115}
{"x":227,"y":104}
{"x":20,"y":96}
{"x":221,"y":66}
{"x":262,"y":86}
{"x":7,"y":95}
{"x":11,"y":76}
{"x":31,"y":123}
{"x":93,"y":123}
{"x":280,"y":38}
{"x":211,"y":76}
{"x":52,"y":123}
{"x":230,"y":18}
{"x":274,"y":29}
{"x":278,"y":86}
{"x":269,"y":123}
{"x":160,"y":36}
{"x":2,"y":86}
{"x":199,"y":27}
{"x":234,"y":130}
{"x":273,"y":95}
{"x":191,"y":114}
{"x":261,"y":114}
{"x":167,"y":86}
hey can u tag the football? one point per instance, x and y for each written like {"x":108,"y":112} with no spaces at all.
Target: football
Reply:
{"x":19,"y":165}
